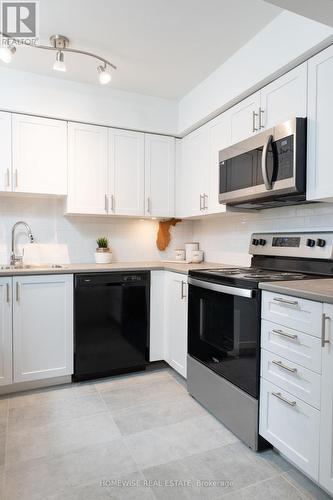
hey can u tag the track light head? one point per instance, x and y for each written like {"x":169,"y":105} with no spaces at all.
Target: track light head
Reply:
{"x":6,"y":54}
{"x":59,"y":63}
{"x":104,"y":75}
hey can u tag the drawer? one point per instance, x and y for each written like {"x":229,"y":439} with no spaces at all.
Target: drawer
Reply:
{"x":300,"y":314}
{"x":295,"y":346}
{"x":293,"y":378}
{"x":290,"y":425}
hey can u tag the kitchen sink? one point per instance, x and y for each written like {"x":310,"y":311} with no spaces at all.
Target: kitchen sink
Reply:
{"x":27,"y":266}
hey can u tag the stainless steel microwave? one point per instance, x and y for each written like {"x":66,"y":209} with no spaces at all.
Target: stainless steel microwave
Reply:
{"x":266,"y":170}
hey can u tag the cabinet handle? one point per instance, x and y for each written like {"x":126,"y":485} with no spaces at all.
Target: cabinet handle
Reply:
{"x":148,"y":205}
{"x":183,"y":294}
{"x":202,"y":202}
{"x":8,"y":178}
{"x":254,"y":115}
{"x":285,"y":301}
{"x":7,"y":293}
{"x":285,"y":400}
{"x":261,"y":112}
{"x":285,"y":367}
{"x":106,"y":203}
{"x":324,"y":318}
{"x":112,"y":202}
{"x":205,"y":196}
{"x":17,"y":292}
{"x":291,"y":336}
{"x":16,"y":179}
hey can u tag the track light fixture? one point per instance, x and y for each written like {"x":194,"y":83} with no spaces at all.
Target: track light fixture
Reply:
{"x":60,"y":44}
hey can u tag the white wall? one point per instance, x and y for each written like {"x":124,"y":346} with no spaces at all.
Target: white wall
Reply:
{"x":282,"y":41}
{"x":226,"y":238}
{"x":36,"y":94}
{"x":131,"y":240}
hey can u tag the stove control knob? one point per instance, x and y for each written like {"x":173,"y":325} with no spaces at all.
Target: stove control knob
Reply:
{"x":310,"y":242}
{"x":320,"y":243}
{"x":262,"y":242}
{"x":255,"y":242}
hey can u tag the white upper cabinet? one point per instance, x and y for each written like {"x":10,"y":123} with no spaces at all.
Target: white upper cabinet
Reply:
{"x":5,"y":152}
{"x":159,"y":175}
{"x":5,"y":331}
{"x":219,"y":138}
{"x":42,"y":327}
{"x":127,"y":157}
{"x":320,"y":112}
{"x":284,"y":98}
{"x":193,"y":174}
{"x":87,"y":169}
{"x":244,"y":118}
{"x":39,"y":148}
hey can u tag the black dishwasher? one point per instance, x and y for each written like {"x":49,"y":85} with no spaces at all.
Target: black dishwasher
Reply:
{"x":111,"y":323}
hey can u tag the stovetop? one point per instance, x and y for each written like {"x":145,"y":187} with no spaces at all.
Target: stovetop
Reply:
{"x":249,"y":277}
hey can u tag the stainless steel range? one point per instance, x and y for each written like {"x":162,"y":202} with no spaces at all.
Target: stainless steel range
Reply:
{"x":224,"y":324}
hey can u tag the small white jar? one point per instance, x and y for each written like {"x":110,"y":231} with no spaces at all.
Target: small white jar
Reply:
{"x":179,"y":254}
{"x":197,"y":256}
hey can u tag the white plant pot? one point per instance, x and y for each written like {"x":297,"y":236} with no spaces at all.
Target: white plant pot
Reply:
{"x":103,"y":257}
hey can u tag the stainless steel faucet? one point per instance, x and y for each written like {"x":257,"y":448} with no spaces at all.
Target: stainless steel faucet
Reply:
{"x":17,"y":259}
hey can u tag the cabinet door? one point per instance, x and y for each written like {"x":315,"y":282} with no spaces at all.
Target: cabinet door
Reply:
{"x":126,"y":150}
{"x":244,"y":118}
{"x":157,"y":317}
{"x":5,"y":152}
{"x":320,"y":111}
{"x":193,"y":174}
{"x":284,"y":98}
{"x":326,"y":423}
{"x":5,"y":331}
{"x":39,"y":155}
{"x":87,"y":169}
{"x":176,"y":321}
{"x":159,"y":175}
{"x":219,"y":138}
{"x":42,"y":326}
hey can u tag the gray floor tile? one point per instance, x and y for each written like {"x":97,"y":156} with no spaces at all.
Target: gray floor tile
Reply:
{"x":2,"y":474}
{"x":40,"y":479}
{"x":276,"y":460}
{"x":273,"y":489}
{"x":130,"y":396}
{"x":3,"y":438}
{"x":3,"y":414}
{"x":219,"y":472}
{"x":129,"y":487}
{"x":36,"y":411}
{"x":304,"y":485}
{"x":157,"y":413}
{"x":60,"y":437}
{"x":170,"y":442}
{"x":145,"y":378}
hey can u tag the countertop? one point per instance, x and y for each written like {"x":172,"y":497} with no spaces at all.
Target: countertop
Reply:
{"x":320,"y":290}
{"x":180,"y":267}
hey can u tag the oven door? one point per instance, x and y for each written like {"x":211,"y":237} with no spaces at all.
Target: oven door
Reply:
{"x":266,"y":166}
{"x":224,"y":331}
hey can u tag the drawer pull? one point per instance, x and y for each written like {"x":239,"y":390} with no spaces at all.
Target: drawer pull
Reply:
{"x":324,"y":318}
{"x":285,"y":400}
{"x":285,"y":367}
{"x":286,"y":301}
{"x":291,"y":336}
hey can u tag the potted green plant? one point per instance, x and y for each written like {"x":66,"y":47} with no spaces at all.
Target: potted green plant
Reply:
{"x":103,"y":254}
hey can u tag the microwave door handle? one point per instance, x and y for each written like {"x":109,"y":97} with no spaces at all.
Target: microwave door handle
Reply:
{"x":267,"y":181}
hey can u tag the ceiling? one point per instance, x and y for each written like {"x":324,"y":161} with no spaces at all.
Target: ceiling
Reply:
{"x":161,"y":47}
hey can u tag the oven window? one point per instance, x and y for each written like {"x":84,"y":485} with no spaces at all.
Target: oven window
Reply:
{"x":224,"y":335}
{"x":240,"y":172}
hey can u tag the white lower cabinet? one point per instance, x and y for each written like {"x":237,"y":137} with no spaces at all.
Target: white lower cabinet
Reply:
{"x":326,"y":424}
{"x":5,"y":331}
{"x":176,"y":291}
{"x":38,"y":342}
{"x":42,"y":327}
{"x":296,"y":385}
{"x":290,"y":425}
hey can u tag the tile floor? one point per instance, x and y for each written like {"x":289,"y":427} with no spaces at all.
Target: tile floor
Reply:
{"x":138,"y":436}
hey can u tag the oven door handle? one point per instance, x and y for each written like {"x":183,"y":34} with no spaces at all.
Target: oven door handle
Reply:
{"x":267,"y":181}
{"x":214,"y":287}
